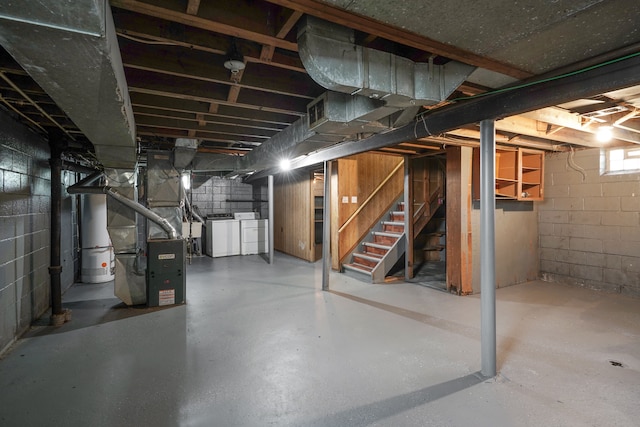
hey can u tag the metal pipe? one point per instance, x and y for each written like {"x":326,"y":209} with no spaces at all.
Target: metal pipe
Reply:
{"x":74,"y":167}
{"x":191,"y":211}
{"x":271,"y":218}
{"x":326,"y":227}
{"x":145,"y":212}
{"x":84,"y":182}
{"x":488,"y":247}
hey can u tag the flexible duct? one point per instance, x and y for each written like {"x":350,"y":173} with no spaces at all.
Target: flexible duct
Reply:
{"x":147,"y":213}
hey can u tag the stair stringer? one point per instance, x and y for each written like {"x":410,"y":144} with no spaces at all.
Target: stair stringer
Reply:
{"x":389,"y":259}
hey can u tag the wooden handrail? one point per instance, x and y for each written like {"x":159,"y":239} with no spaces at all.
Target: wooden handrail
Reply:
{"x":378,"y":188}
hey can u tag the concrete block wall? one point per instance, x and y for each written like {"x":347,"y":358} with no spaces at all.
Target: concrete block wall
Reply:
{"x":24,"y":228}
{"x":590,"y":227}
{"x":218,"y":195}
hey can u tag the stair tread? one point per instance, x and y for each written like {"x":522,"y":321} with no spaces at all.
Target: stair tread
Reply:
{"x":367,"y":256}
{"x":434,"y":248}
{"x":358,"y":267}
{"x":437,"y":233}
{"x":393,"y":223}
{"x":387,"y":233}
{"x":377,"y":245}
{"x":374,"y":255}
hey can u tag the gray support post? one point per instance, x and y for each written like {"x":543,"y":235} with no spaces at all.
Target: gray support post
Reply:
{"x":271,"y":218}
{"x":488,"y":247}
{"x":408,"y":220}
{"x":326,"y":227}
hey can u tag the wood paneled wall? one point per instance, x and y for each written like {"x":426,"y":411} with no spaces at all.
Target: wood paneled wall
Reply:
{"x":293,"y":212}
{"x":358,"y":177}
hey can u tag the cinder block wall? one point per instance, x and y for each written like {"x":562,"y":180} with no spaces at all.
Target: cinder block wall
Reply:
{"x":24,"y":228}
{"x":590,"y":228}
{"x":218,"y":195}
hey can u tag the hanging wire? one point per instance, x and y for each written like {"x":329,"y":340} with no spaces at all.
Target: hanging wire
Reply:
{"x":572,"y":164}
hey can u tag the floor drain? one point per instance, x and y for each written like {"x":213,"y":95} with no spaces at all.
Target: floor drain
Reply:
{"x":615,"y":363}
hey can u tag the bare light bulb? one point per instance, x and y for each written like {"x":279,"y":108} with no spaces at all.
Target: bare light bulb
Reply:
{"x":604,"y":133}
{"x":285,"y":164}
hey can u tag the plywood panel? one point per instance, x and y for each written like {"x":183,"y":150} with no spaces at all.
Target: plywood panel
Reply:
{"x":454,"y":204}
{"x":358,"y":177}
{"x":293,"y":212}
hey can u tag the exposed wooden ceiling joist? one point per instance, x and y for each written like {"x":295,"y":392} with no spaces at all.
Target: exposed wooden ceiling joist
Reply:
{"x":370,"y":26}
{"x":233,"y":30}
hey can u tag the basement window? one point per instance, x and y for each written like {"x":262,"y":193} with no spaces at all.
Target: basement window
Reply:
{"x":620,"y":160}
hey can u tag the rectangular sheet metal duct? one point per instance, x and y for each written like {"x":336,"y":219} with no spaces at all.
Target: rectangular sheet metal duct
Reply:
{"x":71,"y":50}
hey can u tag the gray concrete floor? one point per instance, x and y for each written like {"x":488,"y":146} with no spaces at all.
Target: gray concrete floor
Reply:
{"x":260,"y":345}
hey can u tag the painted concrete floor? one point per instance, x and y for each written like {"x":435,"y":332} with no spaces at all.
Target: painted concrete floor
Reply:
{"x":260,"y":345}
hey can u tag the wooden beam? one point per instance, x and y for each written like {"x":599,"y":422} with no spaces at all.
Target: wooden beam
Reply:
{"x":237,"y":131}
{"x":228,"y":112}
{"x":288,"y":24}
{"x":371,"y":26}
{"x":560,"y":117}
{"x":234,"y":92}
{"x":197,"y":65}
{"x":529,"y":127}
{"x":213,"y":119}
{"x":266,"y":54}
{"x":205,"y":24}
{"x":151,"y":30}
{"x":210,"y":92}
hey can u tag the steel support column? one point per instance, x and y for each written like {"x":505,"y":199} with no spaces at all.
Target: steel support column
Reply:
{"x":271,"y":218}
{"x":408,"y":220}
{"x":488,"y":247}
{"x":56,"y":144}
{"x":326,"y":228}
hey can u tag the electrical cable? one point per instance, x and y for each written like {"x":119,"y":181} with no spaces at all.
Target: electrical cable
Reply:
{"x":572,"y":164}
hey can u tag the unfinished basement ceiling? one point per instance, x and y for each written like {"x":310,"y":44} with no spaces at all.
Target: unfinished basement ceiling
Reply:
{"x":531,"y":35}
{"x":173,"y":54}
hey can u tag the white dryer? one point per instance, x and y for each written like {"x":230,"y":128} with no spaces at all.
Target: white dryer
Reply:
{"x":254,"y":236}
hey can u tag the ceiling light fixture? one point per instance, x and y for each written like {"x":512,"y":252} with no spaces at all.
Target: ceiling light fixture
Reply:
{"x":604,"y":133}
{"x":285,"y":164}
{"x":235,"y":60}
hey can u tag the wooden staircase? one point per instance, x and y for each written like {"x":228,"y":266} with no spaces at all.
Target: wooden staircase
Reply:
{"x":380,"y":250}
{"x":435,"y":238}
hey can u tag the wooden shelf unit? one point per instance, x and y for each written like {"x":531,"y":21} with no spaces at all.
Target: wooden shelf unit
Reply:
{"x":506,"y":174}
{"x":531,"y":174}
{"x":519,"y":174}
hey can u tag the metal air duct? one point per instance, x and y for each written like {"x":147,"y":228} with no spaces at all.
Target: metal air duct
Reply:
{"x":71,"y":50}
{"x":335,"y":62}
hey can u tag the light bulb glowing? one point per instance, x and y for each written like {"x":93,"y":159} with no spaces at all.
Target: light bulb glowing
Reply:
{"x":604,"y":133}
{"x":285,"y":164}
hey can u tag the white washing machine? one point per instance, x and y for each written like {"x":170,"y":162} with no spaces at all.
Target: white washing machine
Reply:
{"x":254,"y":236}
{"x":223,"y":238}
